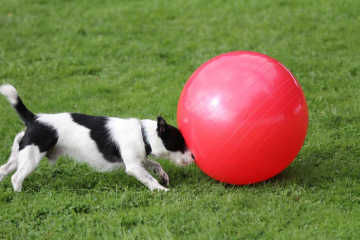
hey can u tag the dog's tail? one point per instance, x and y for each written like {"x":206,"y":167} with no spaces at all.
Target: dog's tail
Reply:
{"x":13,"y":97}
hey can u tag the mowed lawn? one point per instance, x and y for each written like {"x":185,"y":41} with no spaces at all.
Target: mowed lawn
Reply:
{"x":132,"y":59}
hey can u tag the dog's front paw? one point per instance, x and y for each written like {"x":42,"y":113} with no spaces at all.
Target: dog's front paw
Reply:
{"x":163,"y":189}
{"x":160,"y":188}
{"x":164,"y":178}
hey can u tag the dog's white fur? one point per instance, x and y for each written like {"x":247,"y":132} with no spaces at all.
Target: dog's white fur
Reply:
{"x":74,"y":141}
{"x":10,"y":93}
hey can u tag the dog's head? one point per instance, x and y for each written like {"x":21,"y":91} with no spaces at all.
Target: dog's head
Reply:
{"x":171,"y":144}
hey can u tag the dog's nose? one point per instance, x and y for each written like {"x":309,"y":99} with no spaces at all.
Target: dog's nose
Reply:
{"x":192,"y":155}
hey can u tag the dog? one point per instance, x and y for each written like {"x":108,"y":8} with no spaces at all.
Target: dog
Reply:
{"x":105,"y":143}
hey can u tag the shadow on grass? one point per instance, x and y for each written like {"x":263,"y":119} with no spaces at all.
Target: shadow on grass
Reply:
{"x":310,"y":174}
{"x":67,"y":175}
{"x":304,"y":176}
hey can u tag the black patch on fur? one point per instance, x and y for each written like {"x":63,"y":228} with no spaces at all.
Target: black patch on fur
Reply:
{"x":42,"y":135}
{"x":26,"y":116}
{"x":146,"y":142}
{"x":100,"y":134}
{"x":173,"y":139}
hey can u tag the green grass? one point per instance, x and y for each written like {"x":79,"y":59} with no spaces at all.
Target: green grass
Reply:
{"x":131,"y":59}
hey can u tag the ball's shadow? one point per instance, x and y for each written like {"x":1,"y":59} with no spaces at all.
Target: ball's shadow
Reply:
{"x":305,"y":176}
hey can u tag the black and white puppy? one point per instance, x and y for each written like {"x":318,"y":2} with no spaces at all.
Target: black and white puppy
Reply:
{"x":105,"y":143}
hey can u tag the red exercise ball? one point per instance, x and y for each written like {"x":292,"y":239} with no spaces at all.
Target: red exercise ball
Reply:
{"x":244,"y":117}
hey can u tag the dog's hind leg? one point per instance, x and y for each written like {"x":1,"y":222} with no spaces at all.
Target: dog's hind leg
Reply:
{"x":53,"y":155}
{"x":28,"y":160}
{"x":12,"y":163}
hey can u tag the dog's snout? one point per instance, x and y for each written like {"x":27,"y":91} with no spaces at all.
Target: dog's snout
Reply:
{"x":192,"y":155}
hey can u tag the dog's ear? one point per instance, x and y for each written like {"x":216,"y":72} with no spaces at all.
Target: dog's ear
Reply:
{"x":162,"y":126}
